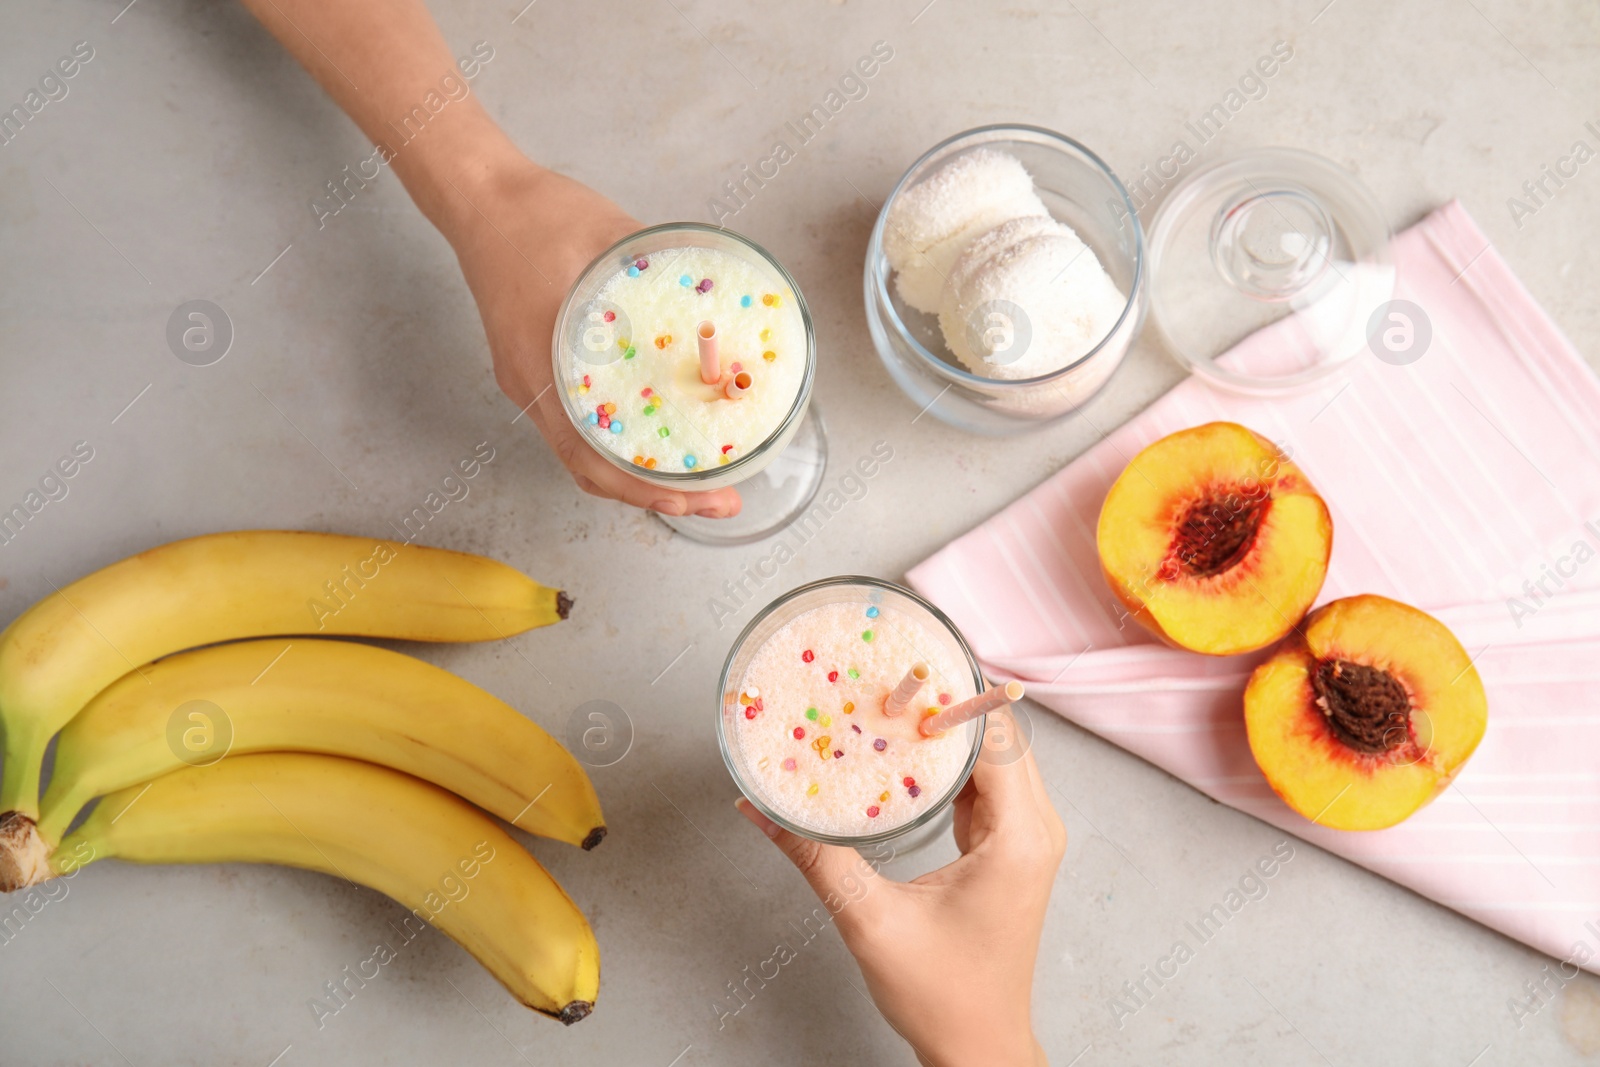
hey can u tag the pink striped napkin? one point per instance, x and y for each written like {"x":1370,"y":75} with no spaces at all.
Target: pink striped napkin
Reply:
{"x":1463,"y":483}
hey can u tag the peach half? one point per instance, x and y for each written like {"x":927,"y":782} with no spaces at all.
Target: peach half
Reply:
{"x":1366,"y":714}
{"x":1214,"y":541}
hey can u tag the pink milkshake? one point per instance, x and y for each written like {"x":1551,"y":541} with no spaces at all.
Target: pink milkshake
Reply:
{"x":808,"y":725}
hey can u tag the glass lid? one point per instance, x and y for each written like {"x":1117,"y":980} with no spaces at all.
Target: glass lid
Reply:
{"x":1273,"y":240}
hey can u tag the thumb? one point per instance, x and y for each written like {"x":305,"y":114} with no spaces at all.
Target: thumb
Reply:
{"x":831,"y":870}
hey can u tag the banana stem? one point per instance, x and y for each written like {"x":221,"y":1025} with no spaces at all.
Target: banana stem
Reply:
{"x":54,"y":820}
{"x":65,"y":796}
{"x":24,"y":759}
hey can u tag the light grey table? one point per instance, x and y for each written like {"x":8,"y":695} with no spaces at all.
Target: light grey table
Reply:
{"x":182,"y":164}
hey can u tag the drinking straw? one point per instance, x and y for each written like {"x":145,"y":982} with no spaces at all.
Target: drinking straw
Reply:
{"x":738,"y":385}
{"x":710,"y":365}
{"x":907,"y":690}
{"x":967,"y":710}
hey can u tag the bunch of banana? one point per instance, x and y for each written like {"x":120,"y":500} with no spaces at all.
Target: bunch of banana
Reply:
{"x":442,"y":858}
{"x":210,"y":735}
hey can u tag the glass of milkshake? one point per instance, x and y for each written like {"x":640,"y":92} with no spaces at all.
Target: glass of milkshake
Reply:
{"x":685,"y":356}
{"x":821,"y":705}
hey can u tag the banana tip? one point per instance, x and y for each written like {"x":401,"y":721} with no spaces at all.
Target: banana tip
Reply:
{"x":24,"y":857}
{"x":597,"y":835}
{"x":563,"y":603}
{"x":576,"y":1011}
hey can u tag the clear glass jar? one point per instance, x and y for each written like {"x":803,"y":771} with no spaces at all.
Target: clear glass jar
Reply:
{"x":1080,"y":191}
{"x":845,"y":589}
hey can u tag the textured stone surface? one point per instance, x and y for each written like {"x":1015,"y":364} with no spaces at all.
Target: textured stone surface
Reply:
{"x":181,"y":164}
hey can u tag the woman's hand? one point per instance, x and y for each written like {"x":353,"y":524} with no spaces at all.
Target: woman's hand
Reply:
{"x":522,"y":235}
{"x":948,"y":957}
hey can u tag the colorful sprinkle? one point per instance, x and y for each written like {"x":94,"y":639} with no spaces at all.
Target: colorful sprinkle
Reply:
{"x":789,"y":764}
{"x":915,"y":791}
{"x":808,"y":655}
{"x":872,"y":812}
{"x":586,"y":380}
{"x":737,"y":367}
{"x":799,"y":733}
{"x":689,"y":462}
{"x":610,"y":316}
{"x":838,"y":753}
{"x":769,"y":355}
{"x":929,"y":711}
{"x":726,"y":449}
{"x":704,"y":286}
{"x":872,"y":613}
{"x":638,"y":461}
{"x":833,"y":676}
{"x":766,"y":335}
{"x":884,"y":795}
{"x":685,"y":281}
{"x":856,"y":728}
{"x":908,"y":781}
{"x":811,"y":713}
{"x":867,"y":636}
{"x":849,"y":706}
{"x":646,"y":391}
{"x":633,"y":272}
{"x":616,"y":426}
{"x":630,"y":353}
{"x":605,"y":422}
{"x":663,"y":432}
{"x":663,"y":340}
{"x":651,"y":409}
{"x":763,"y":763}
{"x":593,"y":418}
{"x":609,"y":408}
{"x":826,"y":720}
{"x":722,"y":461}
{"x":642,"y":264}
{"x":854,"y":673}
{"x":879,"y":744}
{"x":770,"y":299}
{"x":745,"y":301}
{"x":651,"y":463}
{"x":811,"y":792}
{"x":750,"y":712}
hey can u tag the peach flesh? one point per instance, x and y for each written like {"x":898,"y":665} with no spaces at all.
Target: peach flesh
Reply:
{"x":1214,"y":540}
{"x":1365,"y":714}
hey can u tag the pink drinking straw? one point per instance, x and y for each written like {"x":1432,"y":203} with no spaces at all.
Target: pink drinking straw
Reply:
{"x":907,"y":690}
{"x":710,"y":365}
{"x":967,"y":710}
{"x":738,"y":385}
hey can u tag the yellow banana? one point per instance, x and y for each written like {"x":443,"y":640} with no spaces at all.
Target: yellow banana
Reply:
{"x":434,"y":853}
{"x":338,"y":698}
{"x":220,"y":587}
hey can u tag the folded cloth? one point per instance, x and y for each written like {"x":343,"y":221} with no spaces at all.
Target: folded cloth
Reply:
{"x":1466,"y":483}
